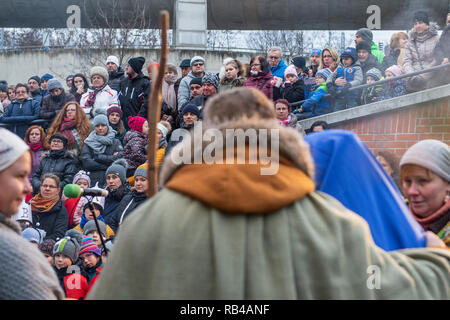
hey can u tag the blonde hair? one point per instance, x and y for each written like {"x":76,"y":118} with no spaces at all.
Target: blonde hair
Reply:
{"x":335,"y":56}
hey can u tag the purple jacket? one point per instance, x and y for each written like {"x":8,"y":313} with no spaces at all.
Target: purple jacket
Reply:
{"x":35,"y":160}
{"x":257,"y":81}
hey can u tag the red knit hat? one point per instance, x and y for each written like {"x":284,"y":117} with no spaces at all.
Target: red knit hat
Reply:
{"x":136,"y":123}
{"x":150,"y":65}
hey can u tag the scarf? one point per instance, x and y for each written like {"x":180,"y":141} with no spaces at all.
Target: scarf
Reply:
{"x":35,"y":146}
{"x":286,"y":122}
{"x":85,"y":220}
{"x":100,"y":143}
{"x":427,"y":222}
{"x":39,"y":204}
{"x":66,"y":128}
{"x":118,"y":194}
{"x":92,"y":95}
{"x":168,"y":93}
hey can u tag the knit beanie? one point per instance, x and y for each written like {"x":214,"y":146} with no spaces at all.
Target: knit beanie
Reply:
{"x":82,"y":175}
{"x":422,"y":16}
{"x":90,"y":226}
{"x":364,"y":45}
{"x":350,"y":52}
{"x":299,"y":62}
{"x":197,"y":59}
{"x":69,"y":245}
{"x":54,"y":84}
{"x":24,"y":213}
{"x":99,"y":71}
{"x":100,"y":119}
{"x":3,"y":86}
{"x":192,"y":108}
{"x":315,"y":51}
{"x":47,"y":77}
{"x":118,"y":167}
{"x":196,"y":80}
{"x":142,"y":170}
{"x":136,"y":123}
{"x":395,"y":70}
{"x":163,"y":129}
{"x":374,"y":73}
{"x":36,"y":78}
{"x":88,"y":245}
{"x":11,"y":148}
{"x":324,"y":73}
{"x":433,"y":155}
{"x":149,"y":67}
{"x":47,"y":246}
{"x":137,"y":64}
{"x":366,"y":34}
{"x":290,"y":70}
{"x":59,"y":136}
{"x":98,"y":202}
{"x":114,"y":109}
{"x":112,"y":59}
{"x":211,"y":78}
{"x":186,"y":63}
{"x":34,"y":235}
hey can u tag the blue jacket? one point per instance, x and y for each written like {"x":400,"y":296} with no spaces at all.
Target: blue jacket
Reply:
{"x":353,"y":75}
{"x":316,"y":105}
{"x":347,"y":170}
{"x":19,"y":115}
{"x":278,"y":71}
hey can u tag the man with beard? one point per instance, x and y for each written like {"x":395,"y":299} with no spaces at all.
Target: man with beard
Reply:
{"x":53,"y":103}
{"x":134,"y":90}
{"x":115,"y":71}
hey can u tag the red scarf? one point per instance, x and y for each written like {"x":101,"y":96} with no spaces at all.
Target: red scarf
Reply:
{"x":35,"y":146}
{"x":432,"y":218}
{"x":66,"y":128}
{"x":92,"y":95}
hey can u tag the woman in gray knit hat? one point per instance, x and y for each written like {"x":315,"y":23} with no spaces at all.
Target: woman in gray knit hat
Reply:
{"x":425,"y":179}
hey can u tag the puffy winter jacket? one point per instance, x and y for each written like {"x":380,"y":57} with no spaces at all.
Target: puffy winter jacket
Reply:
{"x":316,"y":105}
{"x":50,"y":108}
{"x":294,"y":92}
{"x":134,"y":150}
{"x":133,"y":96}
{"x":106,"y":98}
{"x":63,"y":163}
{"x":115,"y":78}
{"x":128,"y":203}
{"x":258,"y":81}
{"x":54,"y":222}
{"x":20,"y":114}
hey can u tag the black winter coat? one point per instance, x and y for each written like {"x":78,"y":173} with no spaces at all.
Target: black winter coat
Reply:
{"x":370,"y":63}
{"x":115,"y":78}
{"x":294,"y":92}
{"x":63,"y":163}
{"x":128,"y":203}
{"x":50,"y":108}
{"x":112,"y":202}
{"x":54,"y":223}
{"x":98,"y":164}
{"x":133,"y":96}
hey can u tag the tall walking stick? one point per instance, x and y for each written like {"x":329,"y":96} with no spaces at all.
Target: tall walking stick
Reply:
{"x":155,"y":102}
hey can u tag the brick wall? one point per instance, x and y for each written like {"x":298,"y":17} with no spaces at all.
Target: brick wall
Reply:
{"x":397,"y":130}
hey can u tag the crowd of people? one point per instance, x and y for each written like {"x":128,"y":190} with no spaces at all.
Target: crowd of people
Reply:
{"x":96,"y":133}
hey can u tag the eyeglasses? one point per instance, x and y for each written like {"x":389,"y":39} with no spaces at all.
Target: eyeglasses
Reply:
{"x":274,"y":58}
{"x":56,"y":141}
{"x":197,"y":64}
{"x":47,"y":186}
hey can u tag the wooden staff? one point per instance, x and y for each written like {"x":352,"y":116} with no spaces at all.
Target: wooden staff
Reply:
{"x":154,"y":105}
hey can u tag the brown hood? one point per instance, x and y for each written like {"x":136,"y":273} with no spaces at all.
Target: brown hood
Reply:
{"x":241,"y":188}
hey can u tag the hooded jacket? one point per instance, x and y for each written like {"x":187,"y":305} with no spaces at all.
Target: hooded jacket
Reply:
{"x":278,"y":71}
{"x":20,"y":114}
{"x":316,"y":104}
{"x":294,"y":92}
{"x":242,"y":235}
{"x":126,"y":206}
{"x":115,"y":78}
{"x":133,"y":96}
{"x":53,"y":222}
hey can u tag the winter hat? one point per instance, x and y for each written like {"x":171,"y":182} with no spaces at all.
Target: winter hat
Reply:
{"x":99,"y":71}
{"x":375,"y":74}
{"x":33,"y":235}
{"x":396,"y":70}
{"x":364,"y":45}
{"x":192,"y":108}
{"x":350,"y":52}
{"x":149,"y":67}
{"x":59,"y":136}
{"x":47,"y":77}
{"x":70,"y":76}
{"x":172,"y":68}
{"x":24,"y":213}
{"x":3,"y":86}
{"x":316,"y":51}
{"x":108,"y":244}
{"x":54,"y":84}
{"x":211,"y":78}
{"x":69,"y":245}
{"x":421,"y":16}
{"x":324,"y":73}
{"x":112,"y":59}
{"x":196,"y":80}
{"x":186,"y":63}
{"x":290,"y":70}
{"x":142,"y":170}
{"x":81,"y":175}
{"x":100,"y":119}
{"x":98,"y":202}
{"x":433,"y":155}
{"x":366,"y":34}
{"x":114,"y":109}
{"x":88,"y":245}
{"x":136,"y":123}
{"x":47,"y":246}
{"x":118,"y":167}
{"x":197,"y":59}
{"x":137,"y":64}
{"x":38,"y":80}
{"x":299,"y":62}
{"x":11,"y":148}
{"x":90,"y":226}
{"x":163,"y":129}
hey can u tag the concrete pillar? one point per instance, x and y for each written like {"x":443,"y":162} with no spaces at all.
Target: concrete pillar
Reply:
{"x":190,"y":24}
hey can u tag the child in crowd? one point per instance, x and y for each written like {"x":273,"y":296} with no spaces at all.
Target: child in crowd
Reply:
{"x":24,"y":216}
{"x":75,"y":206}
{"x":34,"y":235}
{"x":87,"y":216}
{"x":114,"y":118}
{"x":65,"y":255}
{"x":108,"y":244}
{"x":135,"y":143}
{"x":395,"y":88}
{"x":46,"y":247}
{"x":91,"y":256}
{"x":316,"y":104}
{"x":90,"y":230}
{"x":163,"y":132}
{"x":349,"y":74}
{"x":294,"y":87}
{"x":375,"y":93}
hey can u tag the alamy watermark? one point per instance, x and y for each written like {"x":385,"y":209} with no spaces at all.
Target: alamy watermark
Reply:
{"x":374,"y":280}
{"x":228,"y":146}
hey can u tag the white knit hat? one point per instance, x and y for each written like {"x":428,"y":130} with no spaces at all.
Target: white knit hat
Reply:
{"x":11,"y":148}
{"x":163,"y":129}
{"x":433,"y":155}
{"x":113,"y":59}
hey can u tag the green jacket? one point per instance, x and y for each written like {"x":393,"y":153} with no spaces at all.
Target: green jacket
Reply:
{"x":377,"y":53}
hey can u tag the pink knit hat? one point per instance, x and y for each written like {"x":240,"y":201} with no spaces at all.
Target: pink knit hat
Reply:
{"x":396,"y":70}
{"x":290,"y":70}
{"x":136,"y":123}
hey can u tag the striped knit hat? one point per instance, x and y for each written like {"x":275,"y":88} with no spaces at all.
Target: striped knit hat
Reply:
{"x":89,"y":245}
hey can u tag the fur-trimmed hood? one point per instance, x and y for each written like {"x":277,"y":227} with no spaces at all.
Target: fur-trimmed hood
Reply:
{"x":432,"y":32}
{"x":70,"y":153}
